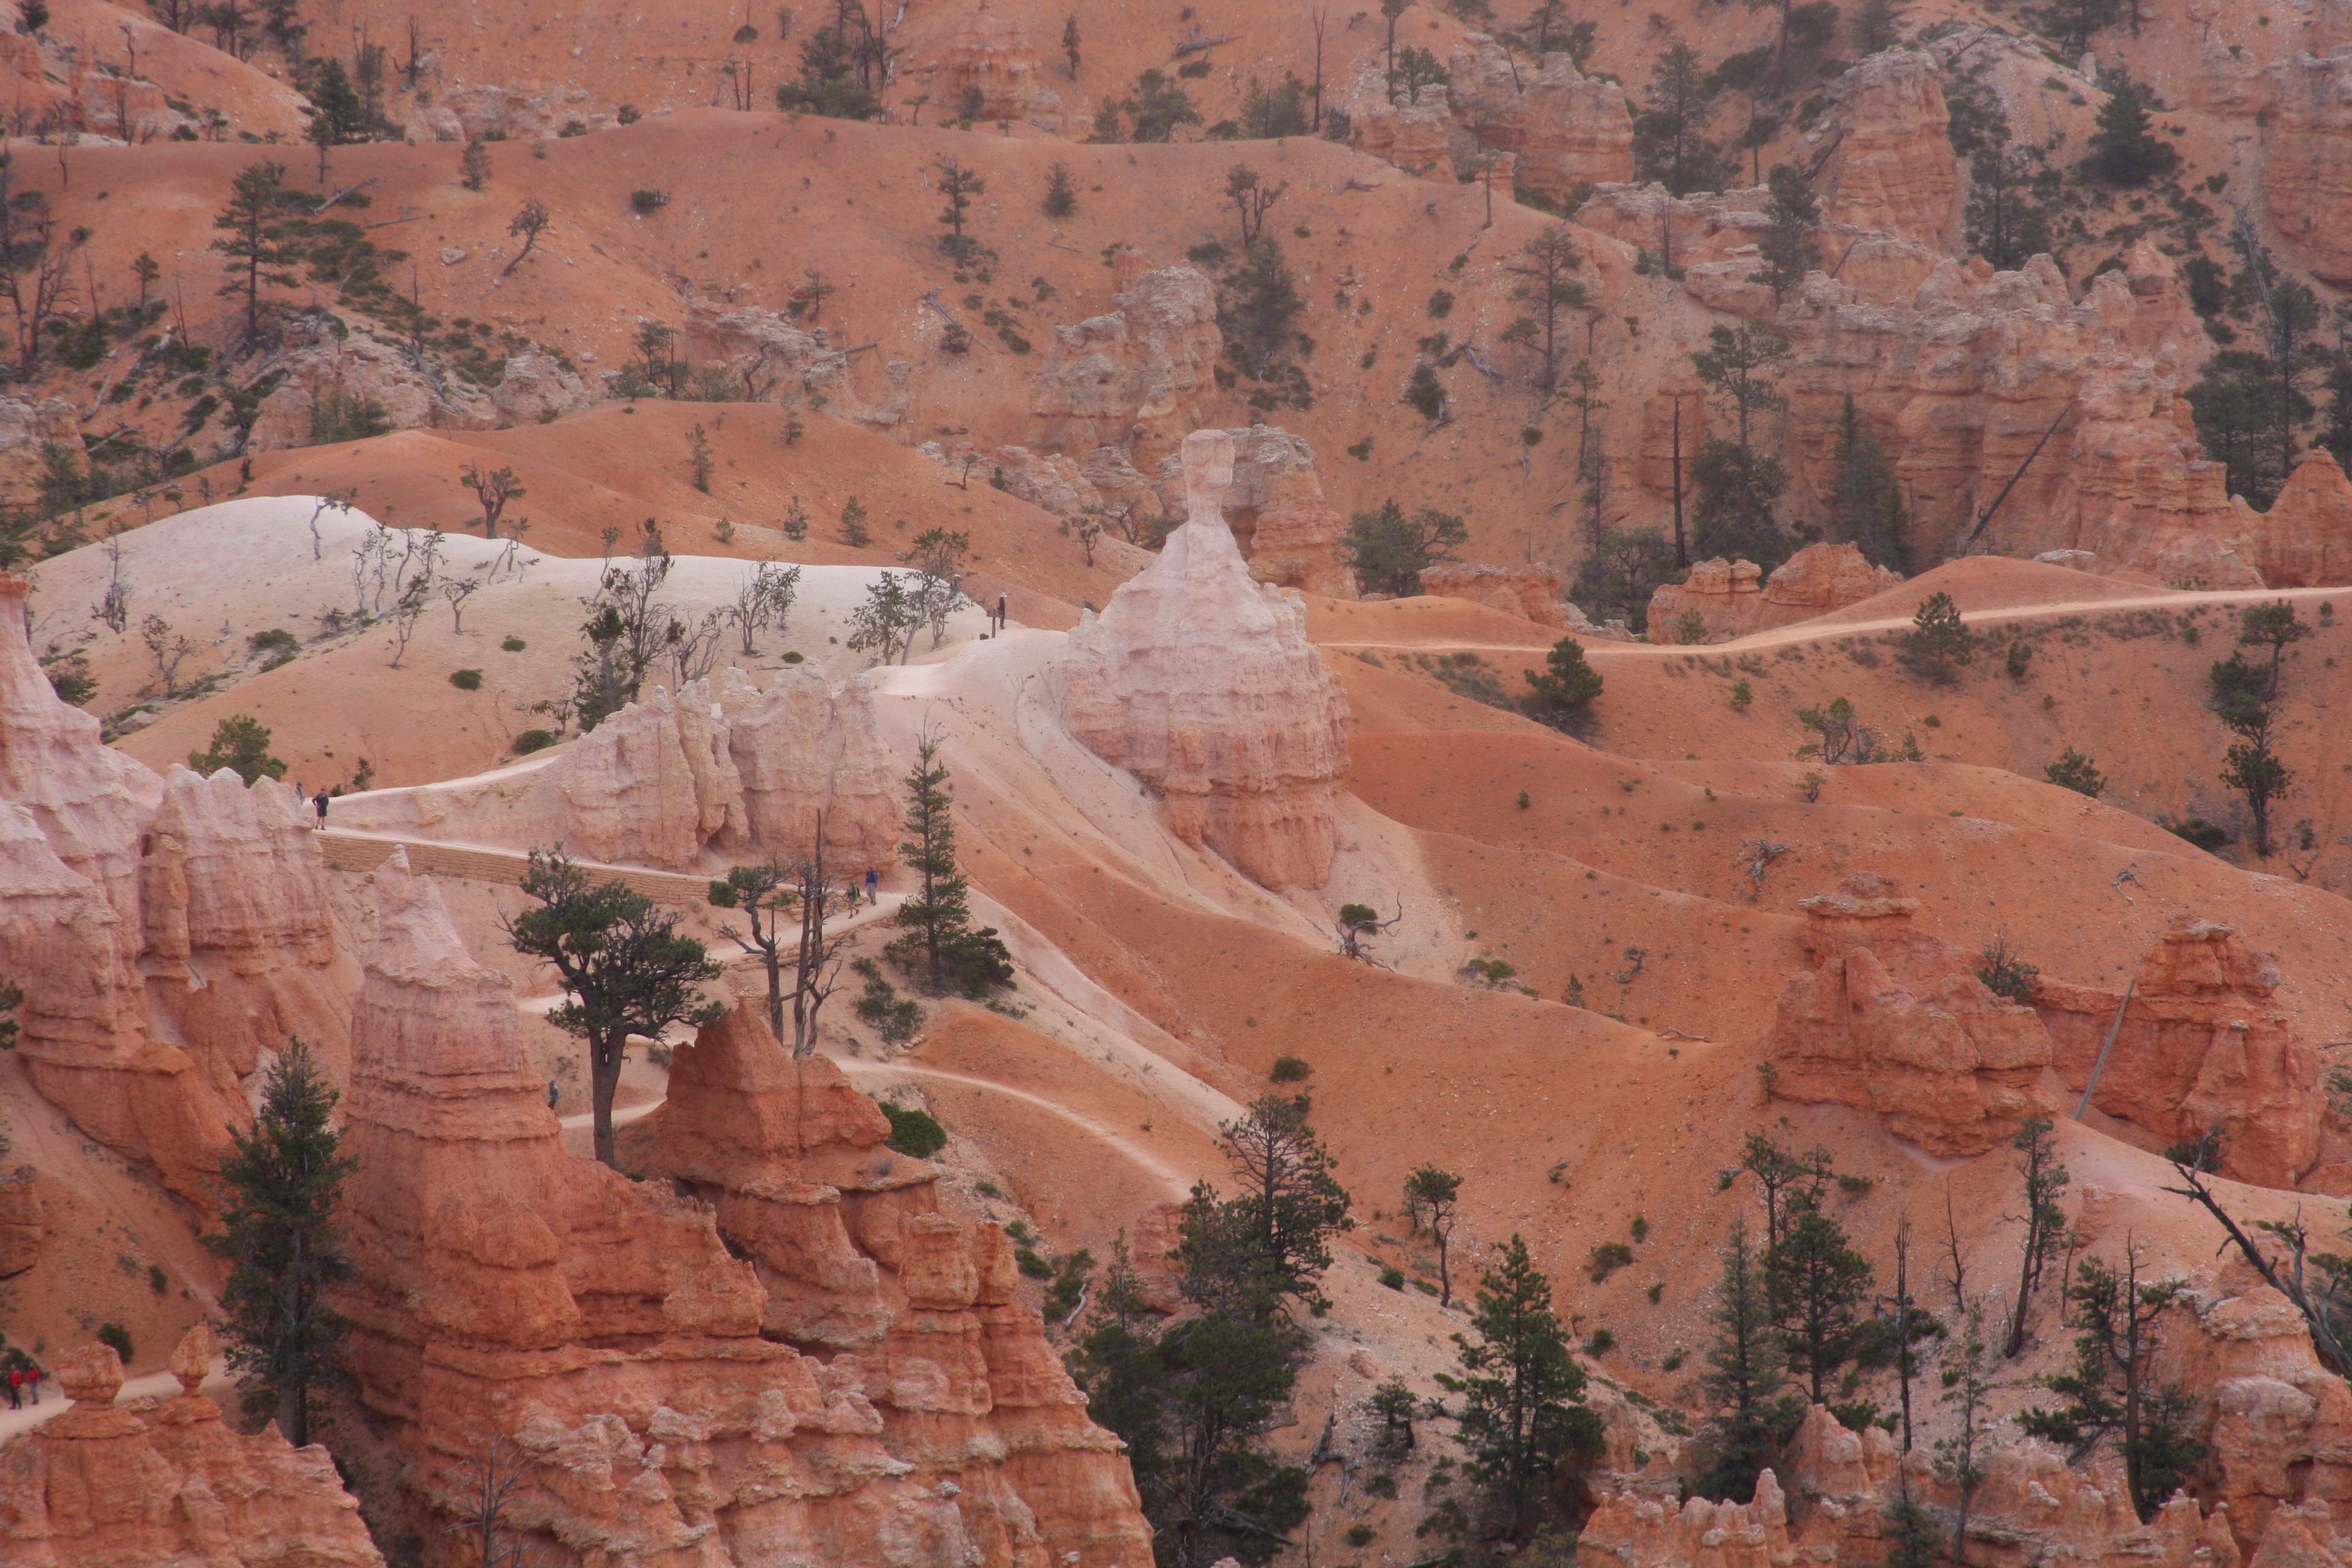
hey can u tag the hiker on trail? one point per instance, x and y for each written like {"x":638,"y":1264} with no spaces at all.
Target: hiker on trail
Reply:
{"x":320,"y":802}
{"x":873,"y":886}
{"x":1000,"y":612}
{"x":16,"y":1387}
{"x":553,"y":1093}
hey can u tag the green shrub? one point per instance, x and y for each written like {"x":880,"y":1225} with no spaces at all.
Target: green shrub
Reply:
{"x":1607,"y":1258}
{"x":2197,"y":831}
{"x":531,"y":741}
{"x":914,"y":1133}
{"x":2006,"y":975}
{"x":466,"y":679}
{"x":116,"y":1335}
{"x":1289,"y":1070}
{"x":1600,"y":1343}
{"x":513,"y":645}
{"x":1393,"y":1276}
{"x":1031,"y":1265}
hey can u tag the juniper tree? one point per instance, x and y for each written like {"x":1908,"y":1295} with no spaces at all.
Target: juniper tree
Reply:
{"x":280,"y":1185}
{"x":242,"y":743}
{"x":1389,"y":550}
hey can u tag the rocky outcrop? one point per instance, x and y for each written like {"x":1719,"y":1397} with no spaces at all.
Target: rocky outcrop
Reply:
{"x":1420,"y":136}
{"x":777,"y":360}
{"x":1136,"y":376}
{"x":1733,"y":598}
{"x":2307,"y":166}
{"x":1287,"y":531}
{"x":2202,"y":1048}
{"x":990,"y":71}
{"x":119,"y":952}
{"x":1202,"y":684}
{"x":1530,"y":593}
{"x":1895,"y":170}
{"x":803,"y":748}
{"x":2305,"y":541}
{"x":239,"y":944}
{"x":1564,"y":128}
{"x":604,"y":1333}
{"x":1892,"y":1020}
{"x":667,"y":780}
{"x":1963,"y":378}
{"x":352,"y":373}
{"x":169,"y":1484}
{"x":538,"y":387}
{"x":2029,"y":1507}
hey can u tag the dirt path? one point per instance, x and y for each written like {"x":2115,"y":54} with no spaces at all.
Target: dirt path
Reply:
{"x":1820,"y":629}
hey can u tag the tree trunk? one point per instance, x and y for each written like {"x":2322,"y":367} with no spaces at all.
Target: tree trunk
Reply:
{"x":605,"y":1078}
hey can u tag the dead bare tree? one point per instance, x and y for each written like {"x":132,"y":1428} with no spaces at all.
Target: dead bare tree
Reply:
{"x":816,"y":971}
{"x":1758,"y":857}
{"x":487,"y":1483}
{"x":2323,"y":1300}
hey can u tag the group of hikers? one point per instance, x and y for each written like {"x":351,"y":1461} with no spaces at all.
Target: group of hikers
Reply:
{"x":25,"y":1375}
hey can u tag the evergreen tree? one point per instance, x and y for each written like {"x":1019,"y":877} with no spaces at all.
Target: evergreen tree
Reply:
{"x":1793,"y":244}
{"x":1159,"y":107}
{"x":1272,"y":1239}
{"x":1739,"y":485}
{"x":1625,"y":567}
{"x":1817,"y":1282}
{"x":2069,"y":24}
{"x":2076,"y":772}
{"x":474,"y":164}
{"x":1550,"y":256}
{"x":838,"y":63}
{"x":280,"y":1185}
{"x":937,"y":917}
{"x":1257,"y":309}
{"x":240,"y":741}
{"x":1869,"y":512}
{"x":260,"y":238}
{"x":959,"y":185}
{"x":1388,"y":550}
{"x":1670,"y":142}
{"x":2112,"y":1388}
{"x":624,"y":969}
{"x":1752,"y":1413}
{"x":1431,"y":1196}
{"x":1564,"y":692}
{"x":1061,"y":189}
{"x":2008,"y":217}
{"x":2123,"y":151}
{"x":1523,"y":1411}
{"x":2042,"y":1178}
{"x":1937,"y":640}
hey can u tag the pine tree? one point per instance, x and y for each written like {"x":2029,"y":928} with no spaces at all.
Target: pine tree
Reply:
{"x":959,"y":185}
{"x":1746,"y":1381}
{"x":259,"y":241}
{"x":2123,"y":153}
{"x":1817,"y":1281}
{"x":1061,"y":190}
{"x":1869,"y":512}
{"x":474,"y":164}
{"x":280,"y":1187}
{"x":1670,"y":143}
{"x":1431,"y":1196}
{"x":1564,"y":692}
{"x":937,"y":917}
{"x":1523,"y":1412}
{"x":1793,"y":244}
{"x":1739,"y":485}
{"x":624,"y":969}
{"x":1272,"y":1239}
{"x":2041,"y":1178}
{"x":1937,"y":639}
{"x":240,"y":741}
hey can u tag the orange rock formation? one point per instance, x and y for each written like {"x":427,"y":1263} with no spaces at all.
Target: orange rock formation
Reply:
{"x":1730,"y":602}
{"x":1892,"y":1020}
{"x":508,"y":1291}
{"x":169,"y":1485}
{"x":2201,"y":1048}
{"x":1203,"y":685}
{"x":1530,"y":593}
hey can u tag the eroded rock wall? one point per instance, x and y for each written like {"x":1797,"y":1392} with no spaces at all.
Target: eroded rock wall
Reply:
{"x":1137,"y":376}
{"x":1733,"y":598}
